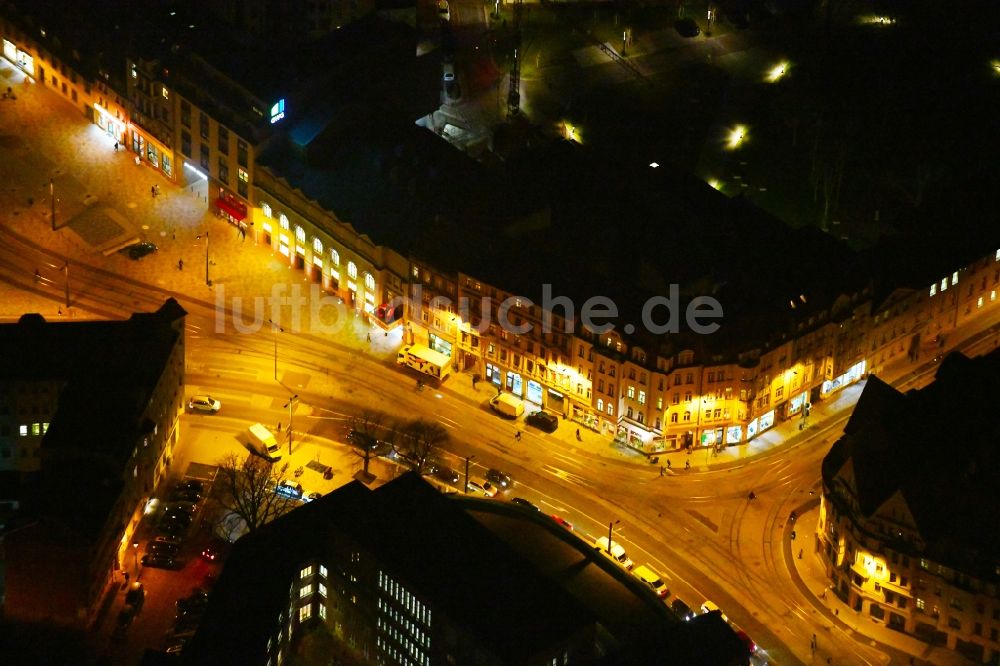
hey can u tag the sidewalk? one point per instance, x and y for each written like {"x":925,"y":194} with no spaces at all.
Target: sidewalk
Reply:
{"x":835,"y":614}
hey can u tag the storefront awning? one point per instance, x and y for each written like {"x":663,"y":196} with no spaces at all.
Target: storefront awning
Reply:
{"x":232,"y":209}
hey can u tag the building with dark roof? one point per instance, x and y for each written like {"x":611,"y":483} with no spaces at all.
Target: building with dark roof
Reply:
{"x":406,"y":575}
{"x":904,"y":526}
{"x":81,"y":419}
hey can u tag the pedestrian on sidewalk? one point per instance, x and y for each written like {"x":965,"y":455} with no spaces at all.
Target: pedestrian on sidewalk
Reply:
{"x":279,"y":426}
{"x":517,"y":435}
{"x":661,"y":470}
{"x":152,"y":191}
{"x":59,"y":310}
{"x":369,"y":336}
{"x":475,"y":380}
{"x":668,"y":463}
{"x":800,"y":553}
{"x":180,"y":264}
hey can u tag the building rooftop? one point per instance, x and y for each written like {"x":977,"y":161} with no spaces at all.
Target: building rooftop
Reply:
{"x":476,"y":562}
{"x":98,"y":417}
{"x":939,"y":447}
{"x":460,"y":569}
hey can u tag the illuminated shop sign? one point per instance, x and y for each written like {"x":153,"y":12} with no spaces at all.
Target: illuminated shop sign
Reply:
{"x":278,"y":111}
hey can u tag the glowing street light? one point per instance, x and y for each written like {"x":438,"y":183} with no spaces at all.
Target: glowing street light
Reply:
{"x":995,"y":64}
{"x":571,"y":132}
{"x":777,"y":72}
{"x":736,"y":137}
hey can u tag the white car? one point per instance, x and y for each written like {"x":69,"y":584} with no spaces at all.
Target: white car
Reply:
{"x":484,"y":488}
{"x":204,"y":403}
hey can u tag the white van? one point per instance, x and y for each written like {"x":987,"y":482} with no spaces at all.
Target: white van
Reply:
{"x":615,"y":552}
{"x":652,"y":579}
{"x":507,"y":405}
{"x":263,"y":442}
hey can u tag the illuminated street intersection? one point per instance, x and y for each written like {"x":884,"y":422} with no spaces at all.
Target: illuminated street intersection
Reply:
{"x":724,"y":512}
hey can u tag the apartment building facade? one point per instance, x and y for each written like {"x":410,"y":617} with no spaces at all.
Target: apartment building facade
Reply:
{"x":900,"y":533}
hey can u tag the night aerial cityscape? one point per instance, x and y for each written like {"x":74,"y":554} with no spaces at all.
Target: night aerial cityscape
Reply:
{"x":500,"y":332}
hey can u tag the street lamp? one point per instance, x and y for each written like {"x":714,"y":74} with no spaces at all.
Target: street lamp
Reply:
{"x":135,"y":552}
{"x":290,"y":406}
{"x":467,"y":459}
{"x":276,"y":329}
{"x":611,"y":527}
{"x":207,"y":280}
{"x":52,"y":196}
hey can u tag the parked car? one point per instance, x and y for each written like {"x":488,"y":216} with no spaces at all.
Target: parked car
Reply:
{"x":136,"y":596}
{"x":686,"y":27}
{"x":309,"y":497}
{"x":172,"y":529}
{"x":489,"y":489}
{"x":197,"y":599}
{"x":181,"y":507}
{"x":682,"y":609}
{"x":289,"y":489}
{"x":442,"y":473}
{"x":162,"y":548}
{"x":185,"y":495}
{"x":501,"y":479}
{"x":178,"y":516}
{"x":140,"y":250}
{"x":167,"y":539}
{"x":562,"y":521}
{"x":159,"y":561}
{"x":478,"y":488}
{"x":543,"y":421}
{"x":214,"y":549}
{"x":190,"y":485}
{"x":747,"y":641}
{"x":653,"y":580}
{"x":520,"y":501}
{"x":205,"y":404}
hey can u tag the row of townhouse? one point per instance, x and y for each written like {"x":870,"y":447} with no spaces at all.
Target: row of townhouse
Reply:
{"x":616,"y":385}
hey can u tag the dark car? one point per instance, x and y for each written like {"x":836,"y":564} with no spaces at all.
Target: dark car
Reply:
{"x":135,"y":596}
{"x":682,"y":609}
{"x":186,"y":495}
{"x":500,"y":479}
{"x":520,"y":501}
{"x":442,"y":473}
{"x":197,"y":599}
{"x":182,"y":517}
{"x":215,"y":549}
{"x":140,"y":250}
{"x":161,"y":548}
{"x":156,"y":560}
{"x":686,"y":27}
{"x":172,"y":528}
{"x":190,"y":485}
{"x":543,"y":421}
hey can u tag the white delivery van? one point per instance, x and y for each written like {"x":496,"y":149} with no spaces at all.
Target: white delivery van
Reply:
{"x":263,"y":442}
{"x":507,"y":406}
{"x":614,"y":552}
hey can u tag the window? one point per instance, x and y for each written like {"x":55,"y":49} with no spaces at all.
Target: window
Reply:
{"x":186,"y":144}
{"x":600,"y":404}
{"x":185,"y":112}
{"x":203,"y":125}
{"x":305,"y":590}
{"x":369,"y":282}
{"x":611,"y":409}
{"x":642,"y":397}
{"x":322,"y":611}
{"x":631,"y":392}
{"x":305,"y":613}
{"x":223,"y":140}
{"x":687,"y":416}
{"x":204,"y":156}
{"x":322,"y":570}
{"x":241,"y":153}
{"x":334,"y":257}
{"x":283,"y":220}
{"x":352,"y":270}
{"x":223,"y":170}
{"x":300,"y":235}
{"x":266,"y":209}
{"x":24,"y":430}
{"x":673,"y":417}
{"x":317,"y":246}
{"x":322,"y":589}
{"x":242,"y":186}
{"x":165,"y":93}
{"x":306,"y":572}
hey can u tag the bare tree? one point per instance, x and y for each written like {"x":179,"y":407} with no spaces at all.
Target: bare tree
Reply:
{"x":418,"y":439}
{"x":247,"y":486}
{"x":367,"y":428}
